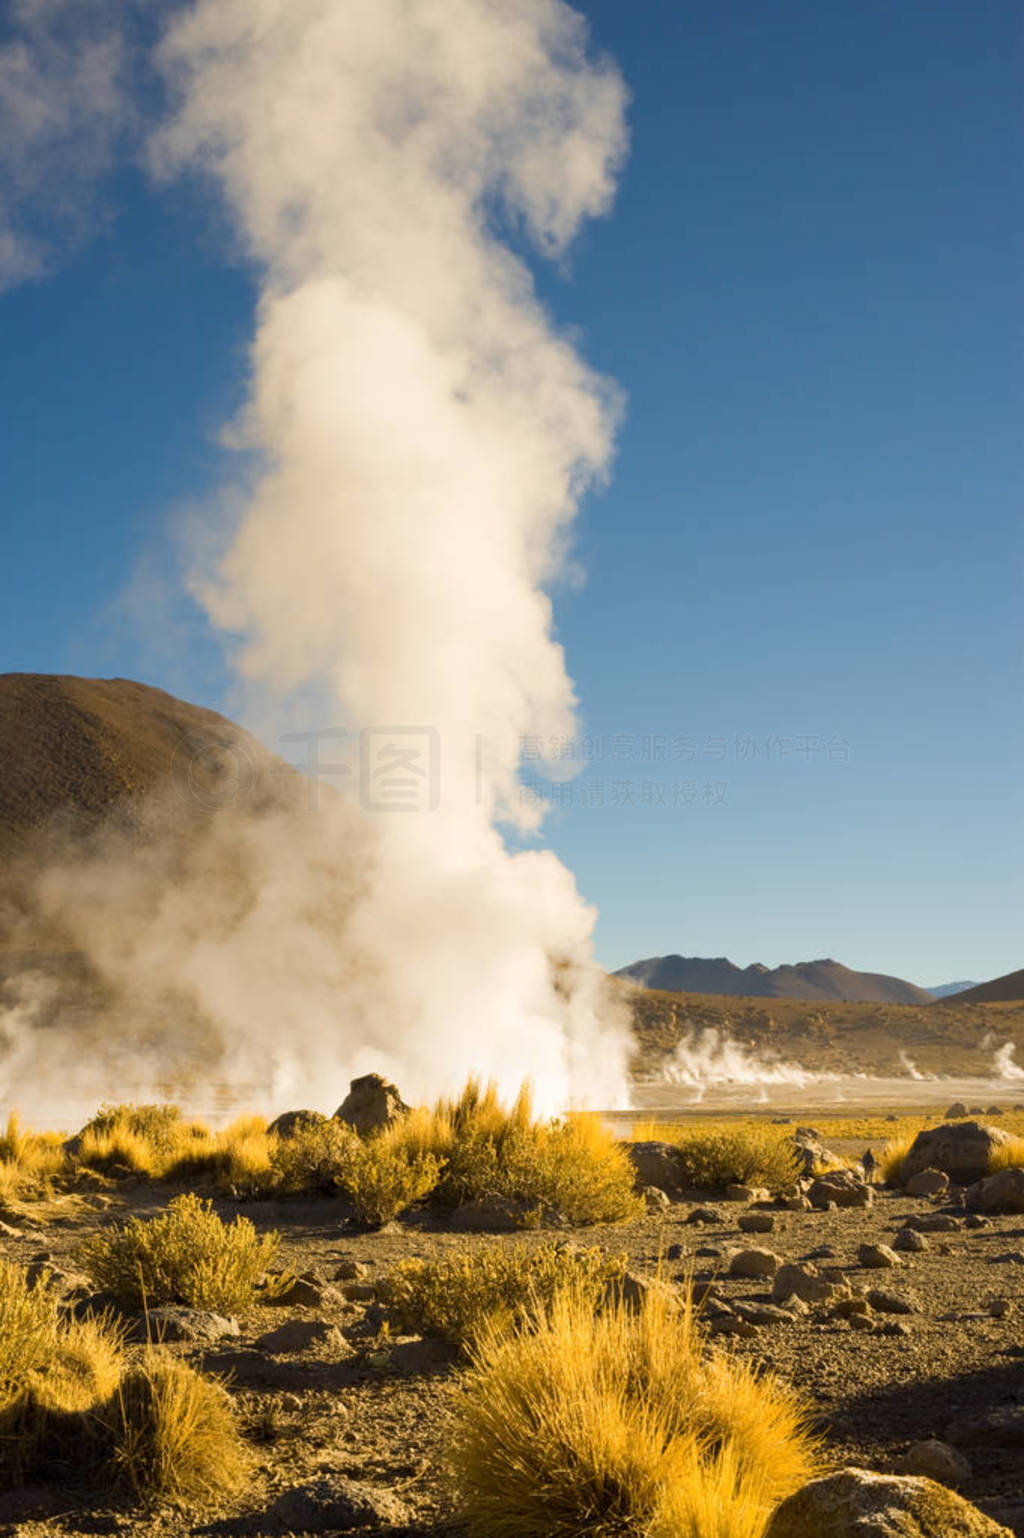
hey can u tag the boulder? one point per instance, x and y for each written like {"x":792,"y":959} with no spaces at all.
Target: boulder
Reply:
{"x":1002,"y":1192}
{"x":656,"y":1164}
{"x":857,"y":1504}
{"x":910,"y":1241}
{"x":956,"y":1111}
{"x":961,"y":1150}
{"x":291,"y":1122}
{"x":842,"y":1187}
{"x":372,"y":1102}
{"x":310,"y":1290}
{"x":928,"y":1183}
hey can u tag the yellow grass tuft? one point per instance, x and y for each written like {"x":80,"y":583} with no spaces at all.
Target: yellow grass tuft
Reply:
{"x":619,"y":1422}
{"x":890,"y":1165}
{"x":1007,"y":1156}
{"x":175,"y":1433}
{"x":186,"y":1254}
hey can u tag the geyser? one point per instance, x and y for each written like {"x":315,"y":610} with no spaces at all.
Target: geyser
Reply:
{"x":416,"y":439}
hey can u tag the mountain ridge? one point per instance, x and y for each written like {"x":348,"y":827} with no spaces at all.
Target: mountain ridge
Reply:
{"x":823,"y":979}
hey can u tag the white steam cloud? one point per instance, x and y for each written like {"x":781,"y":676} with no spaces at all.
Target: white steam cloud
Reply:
{"x":422,"y":436}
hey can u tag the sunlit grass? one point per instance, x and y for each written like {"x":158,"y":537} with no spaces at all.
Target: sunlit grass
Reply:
{"x":621,"y":1422}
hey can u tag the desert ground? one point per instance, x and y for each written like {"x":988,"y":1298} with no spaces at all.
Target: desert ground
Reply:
{"x":349,"y":1419}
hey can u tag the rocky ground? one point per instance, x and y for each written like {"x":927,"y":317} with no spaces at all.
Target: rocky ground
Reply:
{"x":350,"y":1424}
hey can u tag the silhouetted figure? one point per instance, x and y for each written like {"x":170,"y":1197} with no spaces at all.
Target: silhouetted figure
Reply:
{"x":870,"y":1164}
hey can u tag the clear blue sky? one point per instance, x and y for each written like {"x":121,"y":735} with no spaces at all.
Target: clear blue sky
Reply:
{"x":811,"y":291}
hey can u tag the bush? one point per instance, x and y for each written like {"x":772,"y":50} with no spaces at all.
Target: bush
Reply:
{"x":618,"y":1422}
{"x":381,"y":1181}
{"x":174,"y":1432}
{"x":722,"y":1155}
{"x":314,"y":1159}
{"x":500,"y":1285}
{"x":28,"y":1160}
{"x":185,"y":1254}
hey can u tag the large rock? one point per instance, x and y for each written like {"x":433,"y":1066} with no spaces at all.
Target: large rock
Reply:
{"x":371,"y":1102}
{"x":842,"y":1187}
{"x":495,"y":1215}
{"x":961,"y":1150}
{"x":656,"y":1164}
{"x":1002,"y":1192}
{"x":177,"y":1323}
{"x":857,"y":1504}
{"x":803,"y":1282}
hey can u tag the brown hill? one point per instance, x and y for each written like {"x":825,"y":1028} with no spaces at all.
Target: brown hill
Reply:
{"x":82,"y":758}
{"x":1001,"y":990}
{"x":812,"y":980}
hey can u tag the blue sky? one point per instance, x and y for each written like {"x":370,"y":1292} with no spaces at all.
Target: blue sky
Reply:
{"x":799,"y":641}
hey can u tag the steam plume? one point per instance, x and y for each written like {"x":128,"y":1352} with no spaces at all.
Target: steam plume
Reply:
{"x":422,"y":436}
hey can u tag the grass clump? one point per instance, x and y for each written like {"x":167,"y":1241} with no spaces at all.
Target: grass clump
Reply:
{"x":175,"y":1434}
{"x":571,"y":1166}
{"x":721,"y":1155}
{"x":619,"y":1422}
{"x":29,"y":1161}
{"x":499,"y":1285}
{"x":185,"y":1254}
{"x":147,"y":1140}
{"x":893,"y":1157}
{"x":1007,"y":1156}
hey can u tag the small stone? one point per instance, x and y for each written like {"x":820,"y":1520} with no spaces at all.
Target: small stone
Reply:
{"x":731,"y":1325}
{"x":928,"y":1182}
{"x":999,"y":1308}
{"x":936,"y":1460}
{"x":190,"y":1324}
{"x":889,"y":1302}
{"x":739,"y":1193}
{"x":299,"y":1335}
{"x":655,"y":1199}
{"x":845,"y":1308}
{"x":754,"y":1262}
{"x":763,"y":1313}
{"x":862,"y":1322}
{"x":877,"y":1257}
{"x":704,"y":1215}
{"x":351,"y":1271}
{"x":307,"y":1291}
{"x":359,"y":1292}
{"x":910,"y":1240}
{"x":803,"y":1282}
{"x":822,"y":1252}
{"x":675,"y":1252}
{"x":934,"y":1223}
{"x":756,"y":1222}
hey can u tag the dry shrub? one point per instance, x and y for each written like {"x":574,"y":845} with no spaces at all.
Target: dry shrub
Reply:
{"x":619,"y":1422}
{"x":314,"y":1158}
{"x":500,"y":1284}
{"x":890,"y":1164}
{"x":174,"y":1432}
{"x":381,"y":1181}
{"x":717,"y":1156}
{"x":380,"y":1176}
{"x":185,"y":1254}
{"x":1007,"y":1156}
{"x":569,"y":1166}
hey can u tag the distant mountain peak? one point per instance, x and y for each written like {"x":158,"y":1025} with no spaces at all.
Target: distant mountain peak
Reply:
{"x":823,"y":979}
